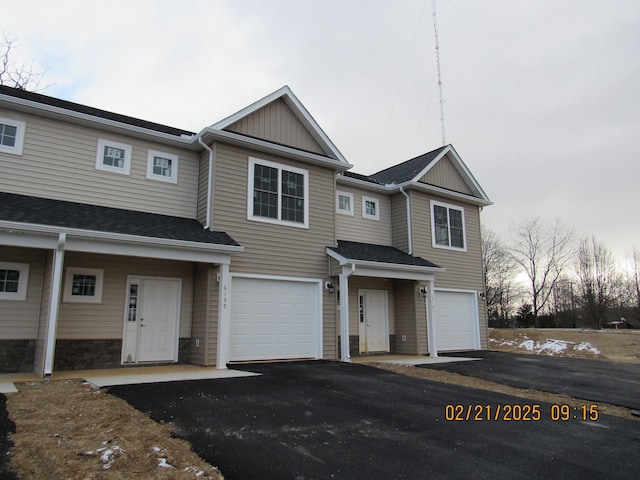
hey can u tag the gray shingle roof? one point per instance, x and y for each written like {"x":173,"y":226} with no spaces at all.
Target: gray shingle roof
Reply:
{"x":367,"y":252}
{"x":58,"y":213}
{"x":408,"y":170}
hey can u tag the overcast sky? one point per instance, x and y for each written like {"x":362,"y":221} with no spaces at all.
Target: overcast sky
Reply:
{"x":541,"y":97}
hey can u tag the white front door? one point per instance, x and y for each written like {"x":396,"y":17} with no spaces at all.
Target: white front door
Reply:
{"x":374,"y":321}
{"x":151,"y":326}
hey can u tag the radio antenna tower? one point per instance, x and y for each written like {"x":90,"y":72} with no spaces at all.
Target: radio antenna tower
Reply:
{"x":435,"y":31}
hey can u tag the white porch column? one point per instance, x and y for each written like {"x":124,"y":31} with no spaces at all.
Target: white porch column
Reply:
{"x":224,"y":317}
{"x":344,"y":313}
{"x":431,"y":324}
{"x":54,"y":304}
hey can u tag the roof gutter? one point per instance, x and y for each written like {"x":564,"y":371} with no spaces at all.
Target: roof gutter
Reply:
{"x":209,"y":181}
{"x":409,"y":229}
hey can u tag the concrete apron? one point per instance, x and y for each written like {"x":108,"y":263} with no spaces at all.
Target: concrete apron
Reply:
{"x":126,"y":376}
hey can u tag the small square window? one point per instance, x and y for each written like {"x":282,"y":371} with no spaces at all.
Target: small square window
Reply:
{"x":14,"y":278}
{"x":370,"y":208}
{"x":11,"y":136}
{"x":344,"y":203}
{"x":162,"y":166}
{"x":113,"y":157}
{"x":83,"y":285}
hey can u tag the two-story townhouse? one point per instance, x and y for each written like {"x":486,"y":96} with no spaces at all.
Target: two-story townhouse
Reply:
{"x":125,"y":242}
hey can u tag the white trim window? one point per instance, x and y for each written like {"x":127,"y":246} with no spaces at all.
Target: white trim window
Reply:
{"x":447,"y":226}
{"x":344,"y":203}
{"x":11,"y":136}
{"x":14,"y":278}
{"x":278,"y":193}
{"x":83,"y":285}
{"x":113,"y":157}
{"x":370,"y":208}
{"x":162,"y":166}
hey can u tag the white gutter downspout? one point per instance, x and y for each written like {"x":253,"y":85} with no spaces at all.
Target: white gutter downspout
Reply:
{"x":409,"y":233}
{"x":344,"y":312}
{"x":209,"y":182}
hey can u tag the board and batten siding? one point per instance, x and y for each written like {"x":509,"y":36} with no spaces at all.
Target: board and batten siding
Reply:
{"x":463,"y":270}
{"x":444,"y":174}
{"x":105,"y":320}
{"x":275,"y":122}
{"x":356,"y":228}
{"x":19,"y":318}
{"x":59,"y":161}
{"x":271,"y":249}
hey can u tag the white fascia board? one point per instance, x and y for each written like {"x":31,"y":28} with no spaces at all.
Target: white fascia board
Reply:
{"x":443,"y":192}
{"x":273,"y":148}
{"x":367,"y":268}
{"x":72,"y":116}
{"x":119,"y":238}
{"x":386,"y":189}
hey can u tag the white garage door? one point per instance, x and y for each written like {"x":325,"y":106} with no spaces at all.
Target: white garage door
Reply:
{"x":456,"y":319}
{"x":274,"y":319}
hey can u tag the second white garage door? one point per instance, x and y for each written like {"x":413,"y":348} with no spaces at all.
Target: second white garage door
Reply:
{"x":456,"y":319}
{"x":274,"y":319}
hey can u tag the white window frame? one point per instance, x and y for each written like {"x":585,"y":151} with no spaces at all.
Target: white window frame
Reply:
{"x":305,"y":173}
{"x":68,"y":285}
{"x":125,"y":169}
{"x":20,"y":129}
{"x":344,"y":194}
{"x":364,"y":208}
{"x":23,"y":281}
{"x":448,"y":206}
{"x":173,"y":178}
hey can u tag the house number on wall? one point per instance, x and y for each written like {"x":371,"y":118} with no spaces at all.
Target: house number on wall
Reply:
{"x":224,"y":296}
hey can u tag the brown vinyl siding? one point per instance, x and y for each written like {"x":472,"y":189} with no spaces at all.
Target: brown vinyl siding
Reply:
{"x":356,"y":228}
{"x":59,"y":162}
{"x":19,"y":318}
{"x":276,"y":122}
{"x":444,"y":174}
{"x":105,"y":320}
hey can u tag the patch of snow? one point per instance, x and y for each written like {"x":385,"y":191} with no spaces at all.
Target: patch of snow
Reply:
{"x":588,"y":347}
{"x":554,"y":346}
{"x":109,"y":455}
{"x":528,"y":345}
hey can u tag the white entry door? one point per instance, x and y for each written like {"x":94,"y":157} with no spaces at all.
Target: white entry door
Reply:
{"x":374,"y":321}
{"x":158,"y":320}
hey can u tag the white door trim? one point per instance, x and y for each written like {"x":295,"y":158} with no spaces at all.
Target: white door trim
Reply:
{"x":362,"y":325}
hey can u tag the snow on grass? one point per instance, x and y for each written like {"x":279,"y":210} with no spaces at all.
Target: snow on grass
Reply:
{"x":550,"y":346}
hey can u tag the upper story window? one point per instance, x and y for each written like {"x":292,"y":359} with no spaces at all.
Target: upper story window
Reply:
{"x":162,"y":166}
{"x":11,"y":136}
{"x":113,"y":156}
{"x":447,"y":226}
{"x":14,"y":278}
{"x":83,"y":285}
{"x":278,"y":193}
{"x":370,"y":208}
{"x":344,"y":203}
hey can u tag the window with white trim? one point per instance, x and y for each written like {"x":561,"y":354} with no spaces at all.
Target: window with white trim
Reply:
{"x":447,"y":226}
{"x":370,"y":208}
{"x":14,"y":278}
{"x":11,"y":136}
{"x":83,"y":285}
{"x":344,"y":203}
{"x":162,"y":166}
{"x":113,"y":157}
{"x":278,"y":193}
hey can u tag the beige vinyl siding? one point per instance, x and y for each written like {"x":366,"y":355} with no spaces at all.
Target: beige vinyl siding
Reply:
{"x":203,"y":187}
{"x":356,"y":228}
{"x":276,"y":122}
{"x":405,"y":317}
{"x":444,"y":174}
{"x":463,"y":269}
{"x":105,"y":320}
{"x":43,"y":324}
{"x":369,"y":283}
{"x":271,"y":249}
{"x":212,"y":325}
{"x":59,"y":162}
{"x":399,"y":229}
{"x":19,"y":318}
{"x":200,"y":314}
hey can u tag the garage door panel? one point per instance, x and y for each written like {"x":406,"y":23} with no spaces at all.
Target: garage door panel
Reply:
{"x":456,"y":319}
{"x":274,"y":319}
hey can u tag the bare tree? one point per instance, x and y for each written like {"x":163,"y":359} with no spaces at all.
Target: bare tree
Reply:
{"x":599,"y":279}
{"x":24,"y":76}
{"x":543,"y":253}
{"x":633,"y":279}
{"x":499,"y":275}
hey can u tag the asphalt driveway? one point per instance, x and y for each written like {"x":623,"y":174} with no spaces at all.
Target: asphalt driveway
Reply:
{"x":595,"y":380}
{"x":318,"y":420}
